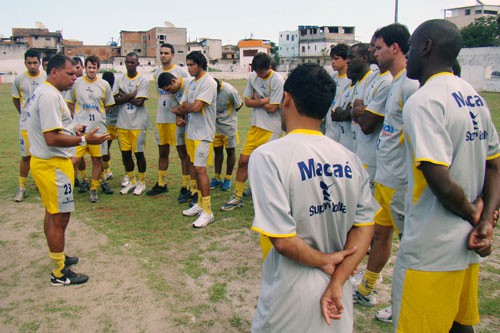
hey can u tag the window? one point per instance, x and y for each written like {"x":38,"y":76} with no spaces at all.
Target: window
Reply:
{"x":478,"y":12}
{"x":293,"y":37}
{"x":490,"y":12}
{"x":303,"y":49}
{"x":333,"y":30}
{"x":303,"y":32}
{"x":314,"y":31}
{"x":467,"y":12}
{"x":349,"y":30}
{"x":47,"y":39}
{"x":249,"y":53}
{"x":287,"y":37}
{"x":180,"y":51}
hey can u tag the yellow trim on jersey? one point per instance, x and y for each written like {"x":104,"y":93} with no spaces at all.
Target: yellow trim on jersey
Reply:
{"x":273,"y":235}
{"x":201,"y":100}
{"x":86,"y":79}
{"x":375,"y":113}
{"x":132,"y":78}
{"x":364,"y":77}
{"x":269,"y":76}
{"x":439,"y":74}
{"x":33,"y":76}
{"x":342,"y":76}
{"x":53,"y":129}
{"x":399,"y":74}
{"x":420,"y":160}
{"x":196,"y":80}
{"x":305,"y":131}
{"x":489,"y":158}
{"x":364,"y":224}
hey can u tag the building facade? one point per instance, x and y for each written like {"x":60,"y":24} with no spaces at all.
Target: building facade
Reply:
{"x":467,"y":14}
{"x":249,"y":48}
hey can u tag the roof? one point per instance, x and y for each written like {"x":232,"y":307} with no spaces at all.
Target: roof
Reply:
{"x":34,"y":32}
{"x":474,"y":3}
{"x":253,"y":43}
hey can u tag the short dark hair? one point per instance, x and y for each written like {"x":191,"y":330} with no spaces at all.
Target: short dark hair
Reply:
{"x":165,"y":79}
{"x":312,"y":90}
{"x":132,"y":54}
{"x":32,"y":53}
{"x":339,"y":50}
{"x":198,"y":58}
{"x":78,"y":60}
{"x":58,"y":62}
{"x":219,"y":84}
{"x":94,"y":60}
{"x":109,"y":77}
{"x":168,"y":45}
{"x":47,"y":57}
{"x":395,"y":33}
{"x":261,"y":61}
{"x":363,"y":49}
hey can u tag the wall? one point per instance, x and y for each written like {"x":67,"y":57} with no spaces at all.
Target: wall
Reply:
{"x":477,"y":65}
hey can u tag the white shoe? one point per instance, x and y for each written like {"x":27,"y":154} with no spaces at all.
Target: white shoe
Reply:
{"x":140,"y":188}
{"x":358,"y":277}
{"x":385,"y":315}
{"x":20,"y":194}
{"x":193,"y":211}
{"x":128,"y":188}
{"x":125,"y":181}
{"x":203,"y":220}
{"x":108,"y":175}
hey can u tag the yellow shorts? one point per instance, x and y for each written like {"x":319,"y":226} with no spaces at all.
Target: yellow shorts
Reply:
{"x":200,"y":152}
{"x":392,"y":203}
{"x":165,"y":134}
{"x":54,"y":178}
{"x":432,"y":301}
{"x":24,"y":143}
{"x":113,"y":132}
{"x":257,"y":137}
{"x":221,"y":140}
{"x":134,"y":140}
{"x":92,"y":150}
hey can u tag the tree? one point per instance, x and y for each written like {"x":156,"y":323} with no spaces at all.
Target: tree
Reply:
{"x":485,"y":31}
{"x":275,"y":53}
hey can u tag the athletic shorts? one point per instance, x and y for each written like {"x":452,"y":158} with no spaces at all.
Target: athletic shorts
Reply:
{"x":431,"y":301}
{"x":113,"y":132}
{"x":166,"y":134}
{"x":54,"y":178}
{"x":200,"y":152}
{"x":24,"y":143}
{"x":134,"y":140}
{"x":92,"y":150}
{"x":180,"y":136}
{"x":392,"y":202}
{"x":221,"y":140}
{"x":256,"y":137}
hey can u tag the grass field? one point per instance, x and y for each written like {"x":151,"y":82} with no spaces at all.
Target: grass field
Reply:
{"x":161,"y":236}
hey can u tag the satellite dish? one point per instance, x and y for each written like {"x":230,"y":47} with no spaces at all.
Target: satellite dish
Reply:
{"x":40,"y":25}
{"x":169,"y":24}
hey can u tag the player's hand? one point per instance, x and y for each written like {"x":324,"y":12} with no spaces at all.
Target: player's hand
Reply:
{"x":331,"y":302}
{"x":357,"y":102}
{"x":80,"y":129}
{"x":477,"y":206}
{"x":180,"y":121}
{"x":93,"y":138}
{"x":335,"y":258}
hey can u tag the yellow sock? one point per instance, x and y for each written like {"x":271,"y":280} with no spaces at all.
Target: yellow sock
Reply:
{"x":22,"y":182}
{"x":162,"y":177}
{"x":239,"y":189}
{"x":367,"y":285}
{"x":94,"y":185}
{"x":185,"y":181}
{"x":58,"y":259}
{"x":217,"y":176}
{"x":227,"y":177}
{"x":82,"y":174}
{"x":105,"y":166}
{"x":142,"y":176}
{"x":131,"y":177}
{"x":206,"y":204}
{"x":103,"y":177}
{"x":192,"y":186}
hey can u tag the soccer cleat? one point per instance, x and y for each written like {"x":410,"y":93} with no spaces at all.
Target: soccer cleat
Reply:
{"x":106,"y":188}
{"x":84,"y":187}
{"x":369,"y":300}
{"x":108,"y":175}
{"x":247,"y":192}
{"x":214,"y":183}
{"x":157,"y":189}
{"x":385,"y":314}
{"x":127,"y":189}
{"x":232,"y":203}
{"x":125,"y":181}
{"x":93,"y":196}
{"x":193,"y":211}
{"x":203,"y":220}
{"x":226,"y":185}
{"x":193,"y":198}
{"x":69,"y":277}
{"x":77,"y":182}
{"x":184,"y":195}
{"x":70,"y":261}
{"x":20,"y":194}
{"x":358,"y":277}
{"x":140,"y":188}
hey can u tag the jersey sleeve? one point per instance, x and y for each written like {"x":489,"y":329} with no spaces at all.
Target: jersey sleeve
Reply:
{"x":367,"y":205}
{"x":271,"y":206}
{"x":276,"y":94}
{"x":249,"y":88}
{"x":143,"y":88}
{"x":184,"y":97}
{"x":16,"y":93}
{"x":108,"y":98}
{"x":377,"y":104}
{"x":50,"y":113}
{"x":70,"y":95}
{"x":207,"y":91}
{"x":235,"y":98}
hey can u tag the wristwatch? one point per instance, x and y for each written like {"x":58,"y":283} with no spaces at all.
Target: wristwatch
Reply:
{"x":83,"y":141}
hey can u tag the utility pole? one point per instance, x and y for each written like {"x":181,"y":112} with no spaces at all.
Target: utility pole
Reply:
{"x":396,"y":11}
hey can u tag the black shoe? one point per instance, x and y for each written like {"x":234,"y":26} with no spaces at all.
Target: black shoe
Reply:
{"x":106,"y":189}
{"x":194,"y":198}
{"x":184,"y":196}
{"x":77,"y":182}
{"x":69,"y":277}
{"x":70,"y":261}
{"x":84,"y":187}
{"x":157,"y":189}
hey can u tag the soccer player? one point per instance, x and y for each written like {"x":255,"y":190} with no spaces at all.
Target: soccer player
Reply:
{"x":165,"y":119}
{"x":45,"y":62}
{"x":263,"y":93}
{"x":132,"y":122}
{"x":111,"y":117}
{"x":90,"y":99}
{"x":52,"y":134}
{"x":199,"y":102}
{"x":22,"y":89}
{"x":391,"y":45}
{"x":226,"y":133}
{"x":320,"y":221}
{"x":453,"y":170}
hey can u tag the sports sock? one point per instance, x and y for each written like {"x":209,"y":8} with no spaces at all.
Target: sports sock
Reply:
{"x":162,"y":177}
{"x":141,"y":176}
{"x":227,"y":177}
{"x":185,"y":181}
{"x":206,"y":204}
{"x":367,"y":285}
{"x":58,"y":259}
{"x":82,"y":174}
{"x":22,"y":182}
{"x":105,"y":166}
{"x":94,"y":185}
{"x":193,"y":187}
{"x":131,"y":177}
{"x":217,"y":176}
{"x":239,"y":189}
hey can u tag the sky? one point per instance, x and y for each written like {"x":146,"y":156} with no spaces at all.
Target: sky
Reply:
{"x":99,"y":22}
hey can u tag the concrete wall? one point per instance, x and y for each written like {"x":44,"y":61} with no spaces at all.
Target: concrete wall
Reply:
{"x":478,"y":64}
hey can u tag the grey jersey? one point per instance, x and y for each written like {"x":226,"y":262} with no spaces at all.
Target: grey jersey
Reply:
{"x":271,"y":87}
{"x":112,"y":115}
{"x":361,"y":90}
{"x":133,"y":117}
{"x":164,"y":113}
{"x":23,"y":87}
{"x":47,"y":111}
{"x":228,"y":103}
{"x":319,"y":191}
{"x":345,"y":138}
{"x":332,"y":128}
{"x":391,"y":170}
{"x":201,"y":125}
{"x":446,"y":123}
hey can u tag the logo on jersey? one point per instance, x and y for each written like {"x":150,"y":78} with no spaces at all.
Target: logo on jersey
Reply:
{"x":328,"y":205}
{"x":471,"y":102}
{"x":388,"y":130}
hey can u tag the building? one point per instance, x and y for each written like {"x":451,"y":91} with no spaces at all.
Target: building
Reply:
{"x":211,"y":48}
{"x":467,"y":14}
{"x":74,"y":48}
{"x":250,"y":47}
{"x":289,"y":48}
{"x":40,"y":39}
{"x":230,"y":52}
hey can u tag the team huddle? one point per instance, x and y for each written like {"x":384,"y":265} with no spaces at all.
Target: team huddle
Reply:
{"x":336,"y":165}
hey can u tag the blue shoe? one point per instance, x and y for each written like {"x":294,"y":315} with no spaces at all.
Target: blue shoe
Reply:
{"x":226,"y":185}
{"x":214,"y":183}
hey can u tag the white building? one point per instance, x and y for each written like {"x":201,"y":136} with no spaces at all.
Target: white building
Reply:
{"x":249,"y":48}
{"x":471,"y":11}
